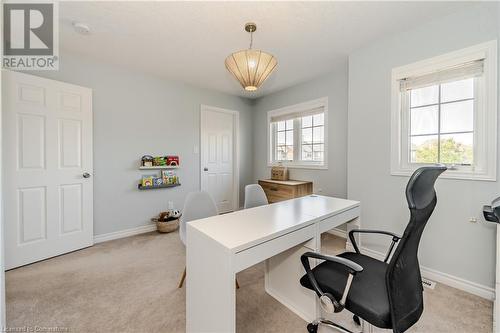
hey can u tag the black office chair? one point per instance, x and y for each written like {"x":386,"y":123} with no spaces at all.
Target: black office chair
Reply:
{"x":385,"y":294}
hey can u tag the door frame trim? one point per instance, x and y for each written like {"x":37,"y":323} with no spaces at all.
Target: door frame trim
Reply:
{"x":236,"y":149}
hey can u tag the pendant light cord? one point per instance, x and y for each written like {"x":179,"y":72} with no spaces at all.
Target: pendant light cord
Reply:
{"x":251,"y":39}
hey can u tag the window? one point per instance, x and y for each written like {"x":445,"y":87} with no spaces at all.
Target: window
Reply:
{"x":284,"y":140}
{"x":444,"y":111}
{"x":312,"y":143}
{"x":297,"y":135}
{"x":442,"y":123}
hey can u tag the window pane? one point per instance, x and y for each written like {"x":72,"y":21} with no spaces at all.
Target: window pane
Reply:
{"x":318,"y":156}
{"x":280,"y":153}
{"x":289,"y":153}
{"x":424,"y":120}
{"x":280,"y":138}
{"x":457,"y":148}
{"x":457,"y":117}
{"x":284,"y":153}
{"x":424,"y":149}
{"x":289,"y":124}
{"x":307,"y":152}
{"x":424,"y":96}
{"x":318,"y":119}
{"x":307,"y":121}
{"x":281,"y":125}
{"x":457,"y":90}
{"x":289,"y":138}
{"x":307,"y":135}
{"x":319,"y":147}
{"x":318,"y":152}
{"x":318,"y":134}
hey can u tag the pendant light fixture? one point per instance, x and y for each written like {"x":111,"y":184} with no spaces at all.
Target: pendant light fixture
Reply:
{"x":251,"y":67}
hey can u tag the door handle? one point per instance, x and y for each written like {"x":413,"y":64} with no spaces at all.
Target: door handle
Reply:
{"x":86,"y":175}
{"x":205,"y":169}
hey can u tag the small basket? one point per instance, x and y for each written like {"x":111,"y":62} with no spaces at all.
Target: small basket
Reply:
{"x":165,"y":227}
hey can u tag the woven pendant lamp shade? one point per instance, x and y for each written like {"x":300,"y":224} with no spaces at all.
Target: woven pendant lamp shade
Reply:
{"x":251,"y":67}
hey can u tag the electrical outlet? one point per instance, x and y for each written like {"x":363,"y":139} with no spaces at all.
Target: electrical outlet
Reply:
{"x":472,"y":220}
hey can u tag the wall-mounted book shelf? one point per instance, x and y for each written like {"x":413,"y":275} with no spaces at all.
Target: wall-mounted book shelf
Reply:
{"x":140,"y":187}
{"x":159,"y":167}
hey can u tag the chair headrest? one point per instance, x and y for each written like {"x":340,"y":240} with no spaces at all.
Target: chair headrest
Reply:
{"x":420,"y":188}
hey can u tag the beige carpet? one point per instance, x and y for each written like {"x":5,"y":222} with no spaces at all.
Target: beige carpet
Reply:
{"x":130,"y":285}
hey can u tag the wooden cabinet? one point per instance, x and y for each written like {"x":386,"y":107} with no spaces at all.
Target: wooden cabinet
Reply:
{"x":279,"y":190}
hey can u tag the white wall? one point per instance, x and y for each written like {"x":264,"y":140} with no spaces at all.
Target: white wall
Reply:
{"x":450,"y":243}
{"x":137,"y":114}
{"x":334,"y":86}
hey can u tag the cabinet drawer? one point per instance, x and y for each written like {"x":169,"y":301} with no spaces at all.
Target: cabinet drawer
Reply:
{"x":278,"y":192}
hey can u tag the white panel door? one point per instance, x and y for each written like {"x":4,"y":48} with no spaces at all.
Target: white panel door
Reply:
{"x":217,"y":157}
{"x":47,"y":161}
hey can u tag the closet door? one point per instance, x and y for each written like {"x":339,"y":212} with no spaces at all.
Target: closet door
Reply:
{"x":47,"y":187}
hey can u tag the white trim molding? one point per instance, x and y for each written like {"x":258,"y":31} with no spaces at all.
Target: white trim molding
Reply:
{"x":124,"y":233}
{"x":297,"y":109}
{"x":444,"y":278}
{"x":485,"y":115}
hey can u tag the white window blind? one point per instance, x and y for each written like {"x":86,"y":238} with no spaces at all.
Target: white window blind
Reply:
{"x":464,"y":71}
{"x":298,"y":114}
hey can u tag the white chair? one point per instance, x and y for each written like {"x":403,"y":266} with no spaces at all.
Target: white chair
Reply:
{"x":254,"y":196}
{"x":198,"y":205}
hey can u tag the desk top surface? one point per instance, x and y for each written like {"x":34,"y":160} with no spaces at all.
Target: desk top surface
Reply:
{"x":242,"y":229}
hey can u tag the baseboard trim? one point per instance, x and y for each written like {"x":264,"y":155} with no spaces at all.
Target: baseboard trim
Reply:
{"x":444,"y":278}
{"x":124,"y":233}
{"x":338,"y":233}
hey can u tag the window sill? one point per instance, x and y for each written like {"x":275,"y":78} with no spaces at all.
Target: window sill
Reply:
{"x":299,"y":166}
{"x":450,"y":174}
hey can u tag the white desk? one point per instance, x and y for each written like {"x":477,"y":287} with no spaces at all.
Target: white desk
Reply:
{"x":218,"y":247}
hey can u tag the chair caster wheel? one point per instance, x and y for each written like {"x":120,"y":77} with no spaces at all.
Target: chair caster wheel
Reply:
{"x":311,"y":328}
{"x":356,"y":320}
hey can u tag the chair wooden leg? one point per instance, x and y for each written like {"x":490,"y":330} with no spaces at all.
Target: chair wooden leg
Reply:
{"x":181,"y":283}
{"x":237,"y":284}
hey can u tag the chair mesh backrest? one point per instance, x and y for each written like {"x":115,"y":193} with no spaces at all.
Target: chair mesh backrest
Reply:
{"x":403,"y":279}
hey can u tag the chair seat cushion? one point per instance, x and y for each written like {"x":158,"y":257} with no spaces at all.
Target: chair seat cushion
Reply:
{"x":367,"y":298}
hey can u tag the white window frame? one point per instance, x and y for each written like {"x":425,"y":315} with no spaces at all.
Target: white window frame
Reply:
{"x":485,"y":113}
{"x":297,"y":108}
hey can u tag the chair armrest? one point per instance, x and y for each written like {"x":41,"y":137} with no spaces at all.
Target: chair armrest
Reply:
{"x":395,"y":239}
{"x":350,"y":266}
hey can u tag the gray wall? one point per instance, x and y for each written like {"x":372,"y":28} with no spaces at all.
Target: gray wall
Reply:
{"x":334,"y":86}
{"x":450,"y":243}
{"x":137,"y":114}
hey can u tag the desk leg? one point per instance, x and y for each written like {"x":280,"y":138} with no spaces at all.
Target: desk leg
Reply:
{"x":282,"y":276}
{"x":210,"y":290}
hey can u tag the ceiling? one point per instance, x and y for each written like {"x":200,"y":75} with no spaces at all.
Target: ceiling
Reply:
{"x":188,"y":41}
